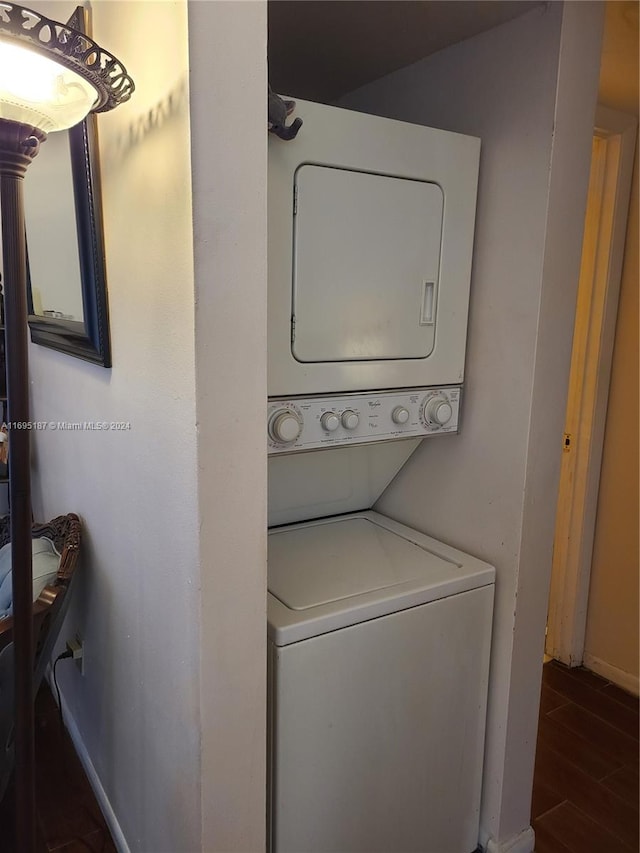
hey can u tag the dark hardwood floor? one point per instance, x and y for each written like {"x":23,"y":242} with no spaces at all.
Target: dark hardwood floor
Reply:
{"x":585,"y":789}
{"x":68,"y":817}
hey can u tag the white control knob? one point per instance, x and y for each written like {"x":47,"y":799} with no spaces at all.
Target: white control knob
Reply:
{"x":330,"y":421}
{"x":438,"y":411}
{"x":400,"y":415}
{"x":350,"y":419}
{"x":285,"y":426}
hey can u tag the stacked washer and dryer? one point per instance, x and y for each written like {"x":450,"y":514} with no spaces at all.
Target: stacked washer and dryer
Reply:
{"x":378,"y":635}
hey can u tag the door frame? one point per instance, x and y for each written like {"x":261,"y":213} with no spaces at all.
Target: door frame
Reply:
{"x":594,"y":337}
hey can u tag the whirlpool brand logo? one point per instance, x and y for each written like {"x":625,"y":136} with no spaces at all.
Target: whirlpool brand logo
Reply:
{"x":373,"y":404}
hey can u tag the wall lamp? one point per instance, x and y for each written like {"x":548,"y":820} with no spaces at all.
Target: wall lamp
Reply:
{"x":51,"y":77}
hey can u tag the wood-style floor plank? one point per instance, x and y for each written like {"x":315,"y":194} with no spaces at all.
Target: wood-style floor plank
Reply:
{"x":550,"y":700}
{"x":595,"y":701}
{"x":587,"y":757}
{"x":584,"y":754}
{"x":544,"y":799}
{"x":572,"y":828}
{"x":60,"y":780}
{"x":624,"y":782}
{"x":546,"y":842}
{"x":615,"y":743}
{"x":583,"y":675}
{"x":622,"y":696}
{"x":94,"y":843}
{"x":603,"y":806}
{"x":68,"y":819}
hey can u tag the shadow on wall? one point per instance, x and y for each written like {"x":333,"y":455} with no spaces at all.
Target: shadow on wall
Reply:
{"x":167,"y":108}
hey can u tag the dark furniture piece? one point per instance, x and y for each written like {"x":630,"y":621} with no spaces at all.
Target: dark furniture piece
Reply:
{"x":48,"y":614}
{"x":4,"y":471}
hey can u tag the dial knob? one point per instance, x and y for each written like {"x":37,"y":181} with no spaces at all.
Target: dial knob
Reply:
{"x":400,"y":415}
{"x":438,"y":410}
{"x":350,"y":419}
{"x":330,"y":421}
{"x":285,"y":426}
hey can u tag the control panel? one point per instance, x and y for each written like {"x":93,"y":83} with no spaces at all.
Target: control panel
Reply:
{"x":312,"y":423}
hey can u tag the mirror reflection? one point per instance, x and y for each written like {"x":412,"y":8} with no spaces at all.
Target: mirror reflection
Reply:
{"x":50,"y":219}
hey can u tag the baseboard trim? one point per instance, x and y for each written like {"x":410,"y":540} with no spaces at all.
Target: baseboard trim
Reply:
{"x":94,"y":780}
{"x":523,"y":842}
{"x":623,"y":679}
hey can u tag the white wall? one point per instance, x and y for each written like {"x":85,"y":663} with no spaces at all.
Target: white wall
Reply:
{"x":492,"y":489}
{"x":228,"y":112}
{"x":137,"y":600}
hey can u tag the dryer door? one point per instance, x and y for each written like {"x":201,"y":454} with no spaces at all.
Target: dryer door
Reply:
{"x":366,"y":263}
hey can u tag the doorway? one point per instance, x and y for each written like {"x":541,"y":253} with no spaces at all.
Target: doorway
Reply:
{"x":593,"y":341}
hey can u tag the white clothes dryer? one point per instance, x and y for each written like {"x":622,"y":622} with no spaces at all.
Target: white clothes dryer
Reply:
{"x":379,"y":643}
{"x":370,"y":236}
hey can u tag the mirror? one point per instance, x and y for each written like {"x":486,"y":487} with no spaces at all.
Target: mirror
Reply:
{"x":67,"y":292}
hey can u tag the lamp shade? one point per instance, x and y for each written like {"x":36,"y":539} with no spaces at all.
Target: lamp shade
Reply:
{"x":51,"y":75}
{"x":39,"y":91}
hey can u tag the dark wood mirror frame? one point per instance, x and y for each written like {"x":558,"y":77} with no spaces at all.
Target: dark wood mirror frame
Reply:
{"x":88,"y":339}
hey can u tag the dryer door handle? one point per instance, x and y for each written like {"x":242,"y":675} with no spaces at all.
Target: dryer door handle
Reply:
{"x":428,"y":304}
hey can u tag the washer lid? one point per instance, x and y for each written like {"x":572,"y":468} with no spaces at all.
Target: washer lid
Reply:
{"x":320,"y":564}
{"x":336,"y":572}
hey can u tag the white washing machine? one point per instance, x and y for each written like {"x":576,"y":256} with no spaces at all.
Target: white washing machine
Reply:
{"x":379,"y":643}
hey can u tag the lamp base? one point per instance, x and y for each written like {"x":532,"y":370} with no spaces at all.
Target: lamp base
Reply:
{"x":19,"y":144}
